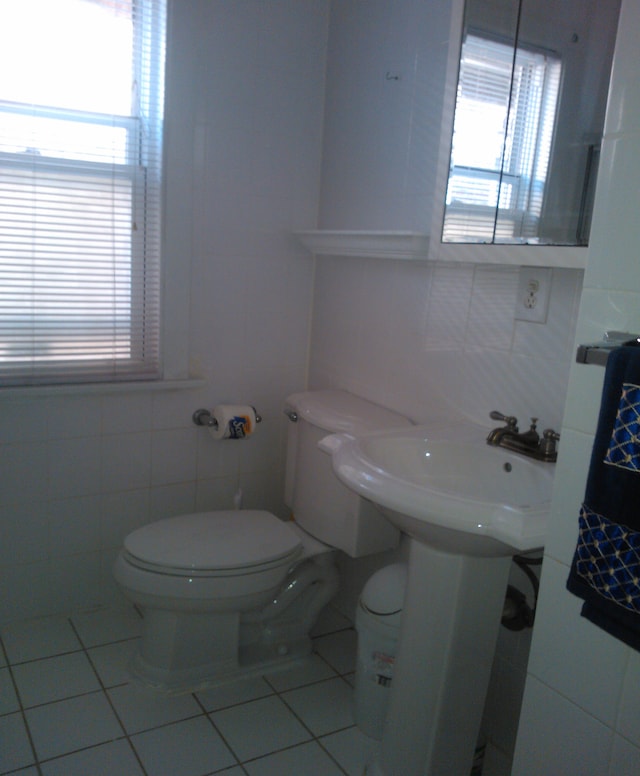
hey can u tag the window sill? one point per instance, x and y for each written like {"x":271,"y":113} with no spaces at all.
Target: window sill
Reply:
{"x":26,"y":392}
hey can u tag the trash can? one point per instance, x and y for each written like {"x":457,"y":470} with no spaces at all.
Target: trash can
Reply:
{"x":378,"y":625}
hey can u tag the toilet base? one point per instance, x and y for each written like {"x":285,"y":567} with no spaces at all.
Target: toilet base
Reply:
{"x":177,"y":681}
{"x":183,"y":651}
{"x":179,"y":648}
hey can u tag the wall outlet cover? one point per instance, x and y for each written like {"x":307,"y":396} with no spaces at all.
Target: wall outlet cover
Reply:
{"x":534,"y":288}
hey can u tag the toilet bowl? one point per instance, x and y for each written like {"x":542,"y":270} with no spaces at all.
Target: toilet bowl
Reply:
{"x":195,"y":577}
{"x":210,"y":561}
{"x":228,"y":593}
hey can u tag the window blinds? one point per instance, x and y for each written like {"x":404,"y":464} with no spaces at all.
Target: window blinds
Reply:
{"x":503,"y":131}
{"x":81,"y":101}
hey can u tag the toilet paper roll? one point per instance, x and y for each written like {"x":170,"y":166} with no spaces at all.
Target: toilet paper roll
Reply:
{"x":234,"y":421}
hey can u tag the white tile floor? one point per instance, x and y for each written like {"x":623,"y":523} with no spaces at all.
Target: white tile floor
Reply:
{"x":67,"y":708}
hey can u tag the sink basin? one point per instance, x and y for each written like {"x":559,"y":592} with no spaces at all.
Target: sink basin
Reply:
{"x":448,"y":488}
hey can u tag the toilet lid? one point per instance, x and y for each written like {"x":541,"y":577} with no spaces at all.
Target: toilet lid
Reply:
{"x":213,"y":540}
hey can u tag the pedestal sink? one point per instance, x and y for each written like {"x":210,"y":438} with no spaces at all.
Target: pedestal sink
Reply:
{"x":467,"y":509}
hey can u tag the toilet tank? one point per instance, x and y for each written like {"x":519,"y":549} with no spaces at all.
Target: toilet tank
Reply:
{"x":320,"y":503}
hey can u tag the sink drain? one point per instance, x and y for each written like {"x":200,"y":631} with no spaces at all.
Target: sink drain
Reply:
{"x":507,"y":467}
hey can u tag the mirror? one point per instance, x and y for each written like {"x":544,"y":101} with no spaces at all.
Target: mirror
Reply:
{"x":533,"y":78}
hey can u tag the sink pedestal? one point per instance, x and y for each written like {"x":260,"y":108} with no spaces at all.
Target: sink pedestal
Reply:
{"x":451,"y":618}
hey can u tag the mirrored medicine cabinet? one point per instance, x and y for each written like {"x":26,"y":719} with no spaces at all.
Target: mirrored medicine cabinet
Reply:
{"x":523,"y":120}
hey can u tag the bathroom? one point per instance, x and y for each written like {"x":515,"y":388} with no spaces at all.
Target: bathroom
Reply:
{"x":282,"y":117}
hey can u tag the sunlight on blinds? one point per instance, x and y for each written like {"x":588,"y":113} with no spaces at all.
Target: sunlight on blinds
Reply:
{"x":81,"y":98}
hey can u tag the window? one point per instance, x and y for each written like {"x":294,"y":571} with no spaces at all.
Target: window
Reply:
{"x":81,"y":101}
{"x":499,"y":164}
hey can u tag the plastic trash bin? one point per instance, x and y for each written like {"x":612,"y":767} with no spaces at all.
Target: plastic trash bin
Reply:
{"x":378,"y":625}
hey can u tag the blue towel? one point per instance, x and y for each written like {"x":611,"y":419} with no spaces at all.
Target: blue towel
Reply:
{"x":605,"y":571}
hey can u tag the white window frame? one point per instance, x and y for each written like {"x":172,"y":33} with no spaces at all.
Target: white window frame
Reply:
{"x":141,"y":167}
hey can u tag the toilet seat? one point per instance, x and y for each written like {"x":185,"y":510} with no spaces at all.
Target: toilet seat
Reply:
{"x":217,"y":543}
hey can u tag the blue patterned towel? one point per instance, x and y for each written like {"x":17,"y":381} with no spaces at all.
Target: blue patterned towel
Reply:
{"x":606,"y":566}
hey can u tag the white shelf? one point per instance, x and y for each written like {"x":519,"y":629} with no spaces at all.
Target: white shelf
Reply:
{"x":414,"y":246}
{"x":375,"y":245}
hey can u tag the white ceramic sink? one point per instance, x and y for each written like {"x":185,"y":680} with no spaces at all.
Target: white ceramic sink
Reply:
{"x":448,"y":488}
{"x":467,"y":507}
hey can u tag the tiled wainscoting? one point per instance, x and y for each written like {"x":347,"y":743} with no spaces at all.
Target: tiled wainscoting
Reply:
{"x":67,"y":708}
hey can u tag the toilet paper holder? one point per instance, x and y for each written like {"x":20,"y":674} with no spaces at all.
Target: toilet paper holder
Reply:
{"x":204,"y":417}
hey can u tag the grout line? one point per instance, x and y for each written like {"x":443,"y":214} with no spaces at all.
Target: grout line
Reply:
{"x":55,"y":757}
{"x":61,"y":700}
{"x":310,"y":683}
{"x":157,"y":727}
{"x":222,"y":737}
{"x":21,"y":710}
{"x":107,"y":696}
{"x":294,"y":746}
{"x":104,"y":689}
{"x":301,"y":721}
{"x":316,"y":739}
{"x":329,"y":755}
{"x":46,"y":657}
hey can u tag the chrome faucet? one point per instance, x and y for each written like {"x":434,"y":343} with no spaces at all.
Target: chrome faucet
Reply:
{"x":528,"y":443}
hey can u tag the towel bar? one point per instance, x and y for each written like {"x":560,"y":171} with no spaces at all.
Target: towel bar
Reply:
{"x":598,"y":352}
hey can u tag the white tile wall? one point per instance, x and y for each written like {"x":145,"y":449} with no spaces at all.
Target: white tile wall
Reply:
{"x":553,"y":660}
{"x":581,"y":694}
{"x":433,"y":340}
{"x":378,"y":165}
{"x":563,"y":738}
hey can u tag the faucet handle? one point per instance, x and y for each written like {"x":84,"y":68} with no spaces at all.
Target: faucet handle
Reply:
{"x":548,"y":444}
{"x":532,"y":433}
{"x":510,"y":420}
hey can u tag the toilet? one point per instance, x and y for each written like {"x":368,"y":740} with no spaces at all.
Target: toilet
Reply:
{"x":232,"y":592}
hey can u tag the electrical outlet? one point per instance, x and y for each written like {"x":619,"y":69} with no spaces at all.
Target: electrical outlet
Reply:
{"x":534,"y":286}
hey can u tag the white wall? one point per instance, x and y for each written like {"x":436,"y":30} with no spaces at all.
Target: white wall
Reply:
{"x":385,"y":82}
{"x":581,"y":711}
{"x":80,"y":470}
